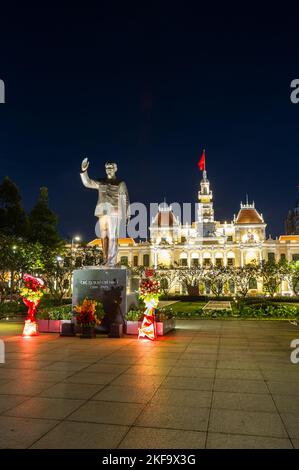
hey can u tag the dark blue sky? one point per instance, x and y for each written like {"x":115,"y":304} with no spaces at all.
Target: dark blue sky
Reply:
{"x":149,"y":89}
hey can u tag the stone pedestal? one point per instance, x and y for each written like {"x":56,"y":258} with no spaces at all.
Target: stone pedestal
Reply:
{"x":107,"y":285}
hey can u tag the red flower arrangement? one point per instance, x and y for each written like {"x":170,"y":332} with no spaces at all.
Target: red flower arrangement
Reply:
{"x":31,"y":294}
{"x":149,"y":291}
{"x":149,"y":287}
{"x":86,"y":313}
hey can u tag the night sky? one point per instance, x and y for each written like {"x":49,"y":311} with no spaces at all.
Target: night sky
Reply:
{"x":150,"y":89}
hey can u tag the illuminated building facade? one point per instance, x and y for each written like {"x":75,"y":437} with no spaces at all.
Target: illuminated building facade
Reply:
{"x":208,"y":242}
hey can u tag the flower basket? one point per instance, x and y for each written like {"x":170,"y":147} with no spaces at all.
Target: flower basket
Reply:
{"x":87,"y":332}
{"x":86,"y":317}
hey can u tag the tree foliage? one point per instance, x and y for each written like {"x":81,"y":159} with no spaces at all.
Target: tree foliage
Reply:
{"x":13,"y":219}
{"x":43,"y":222}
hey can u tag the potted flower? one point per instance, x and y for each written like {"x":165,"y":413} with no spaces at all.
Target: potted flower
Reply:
{"x":86,"y":317}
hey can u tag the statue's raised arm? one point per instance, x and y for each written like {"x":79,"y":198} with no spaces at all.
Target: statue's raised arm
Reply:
{"x":88,"y":182}
{"x":84,"y":165}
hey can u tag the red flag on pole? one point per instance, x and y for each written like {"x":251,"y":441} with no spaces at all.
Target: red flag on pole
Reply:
{"x":202,"y":162}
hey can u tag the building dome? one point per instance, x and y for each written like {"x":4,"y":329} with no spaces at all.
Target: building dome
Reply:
{"x":164,"y":217}
{"x":249,"y":215}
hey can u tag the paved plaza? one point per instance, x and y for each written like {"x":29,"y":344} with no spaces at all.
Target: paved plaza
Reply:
{"x":209,"y":384}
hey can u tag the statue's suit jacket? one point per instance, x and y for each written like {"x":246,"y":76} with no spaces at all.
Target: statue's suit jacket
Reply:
{"x":113,"y":197}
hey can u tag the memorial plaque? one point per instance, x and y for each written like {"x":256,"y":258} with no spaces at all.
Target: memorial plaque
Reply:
{"x":107,"y":285}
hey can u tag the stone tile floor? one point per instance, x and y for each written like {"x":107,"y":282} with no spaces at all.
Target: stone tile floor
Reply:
{"x":210,"y":384}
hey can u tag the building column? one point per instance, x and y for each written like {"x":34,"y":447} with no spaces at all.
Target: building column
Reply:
{"x":225,"y":258}
{"x":242,"y":259}
{"x":155,"y":259}
{"x":172,"y":258}
{"x":261,"y":256}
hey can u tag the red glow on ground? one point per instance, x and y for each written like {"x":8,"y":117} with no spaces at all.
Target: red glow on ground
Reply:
{"x":30,"y":328}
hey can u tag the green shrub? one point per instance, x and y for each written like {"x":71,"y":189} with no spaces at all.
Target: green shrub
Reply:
{"x":100,"y":312}
{"x":47,"y":301}
{"x":195,"y":298}
{"x":61,"y":312}
{"x":259,"y":309}
{"x":270,"y":311}
{"x":218,"y":313}
{"x":9,"y":309}
{"x":164,"y":313}
{"x":134,"y":315}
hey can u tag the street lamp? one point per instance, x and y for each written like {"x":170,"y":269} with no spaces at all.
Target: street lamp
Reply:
{"x":75,"y":239}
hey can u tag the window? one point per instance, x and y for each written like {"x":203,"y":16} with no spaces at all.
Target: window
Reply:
{"x":183,"y":239}
{"x":164,"y":284}
{"x":135,"y":261}
{"x":218,"y":262}
{"x":230,"y":261}
{"x":282,"y":257}
{"x":271,"y":257}
{"x":230,"y":238}
{"x":183,"y":262}
{"x":295,"y":257}
{"x":253,"y":283}
{"x":134,"y":284}
{"x":124,"y":260}
{"x":208,"y":287}
{"x":146,"y":260}
{"x":194,"y":262}
{"x":231,"y":286}
{"x":206,"y":262}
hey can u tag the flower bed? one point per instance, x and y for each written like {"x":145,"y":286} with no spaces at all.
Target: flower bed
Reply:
{"x":50,"y":319}
{"x":164,"y":321}
{"x":162,"y":327}
{"x":49,"y":326}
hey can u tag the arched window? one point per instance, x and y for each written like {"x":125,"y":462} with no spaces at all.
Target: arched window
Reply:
{"x":183,"y":259}
{"x":194,"y":259}
{"x":230,"y":258}
{"x":146,"y":260}
{"x":206,"y":260}
{"x":231,"y":286}
{"x":124,"y":260}
{"x":164,"y":284}
{"x":208,"y":287}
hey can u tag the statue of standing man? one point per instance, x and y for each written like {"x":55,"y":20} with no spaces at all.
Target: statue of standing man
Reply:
{"x":111,"y":209}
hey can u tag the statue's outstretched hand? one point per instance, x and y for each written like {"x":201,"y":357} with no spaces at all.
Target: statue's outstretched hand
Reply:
{"x":84,"y":164}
